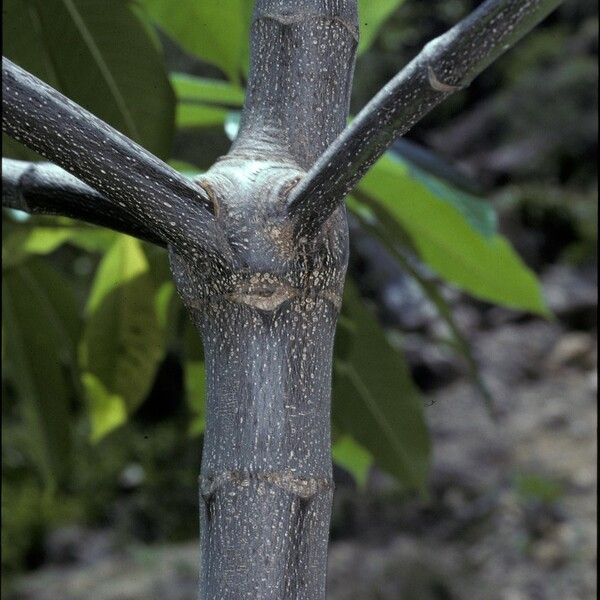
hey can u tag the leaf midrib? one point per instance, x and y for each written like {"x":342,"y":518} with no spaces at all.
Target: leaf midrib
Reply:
{"x":379,"y":417}
{"x":420,"y":232}
{"x":96,"y":53}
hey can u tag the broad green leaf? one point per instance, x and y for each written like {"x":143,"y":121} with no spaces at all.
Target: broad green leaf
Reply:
{"x":107,"y":411}
{"x":354,"y":458}
{"x":162,"y":302}
{"x":167,"y":304}
{"x":123,"y":263}
{"x":371,"y":16}
{"x":486,"y":267}
{"x":58,"y":292}
{"x":198,"y":116}
{"x":480,"y":215}
{"x":430,"y":288}
{"x":27,"y":241}
{"x":374,"y":398}
{"x":99,"y":54}
{"x":92,"y":239}
{"x":40,"y":325}
{"x":123,"y":341}
{"x":216,"y":32}
{"x":24,"y":242}
{"x":203,"y":102}
{"x":195,"y":389}
{"x":190,"y":89}
{"x":16,"y":150}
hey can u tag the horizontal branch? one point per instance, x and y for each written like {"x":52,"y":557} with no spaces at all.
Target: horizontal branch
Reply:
{"x":445,"y":65}
{"x":45,"y":189}
{"x":132,"y":178}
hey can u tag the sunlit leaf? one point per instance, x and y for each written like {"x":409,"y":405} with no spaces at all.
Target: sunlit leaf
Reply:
{"x":198,"y":116}
{"x":486,"y":267}
{"x":107,"y":410}
{"x":480,"y":215}
{"x":123,"y":341}
{"x":195,"y":379}
{"x":371,"y":15}
{"x":23,"y":242}
{"x":354,"y":458}
{"x":216,"y":32}
{"x":185,"y":167}
{"x":204,"y":102}
{"x":430,"y":288}
{"x":190,"y":89}
{"x":162,"y":302}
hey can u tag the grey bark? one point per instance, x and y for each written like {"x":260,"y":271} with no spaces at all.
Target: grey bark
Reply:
{"x":446,"y":64}
{"x":45,"y":189}
{"x":44,"y":120}
{"x":258,"y":249}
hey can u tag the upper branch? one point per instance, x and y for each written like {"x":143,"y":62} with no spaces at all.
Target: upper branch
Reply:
{"x":128,"y":176}
{"x":44,"y":188}
{"x":445,"y":65}
{"x":301,"y":67}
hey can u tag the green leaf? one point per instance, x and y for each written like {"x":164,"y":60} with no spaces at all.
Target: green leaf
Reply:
{"x":374,"y":398}
{"x":371,"y":16}
{"x":354,"y":458}
{"x":99,"y":54}
{"x":195,"y":379}
{"x":195,"y":389}
{"x":58,"y":291}
{"x":123,"y":341}
{"x":216,"y":32}
{"x":204,"y":102}
{"x":26,"y":241}
{"x":480,"y":215}
{"x":198,"y":116}
{"x":92,"y":239}
{"x":486,"y":267}
{"x":107,"y":410}
{"x":430,"y":288}
{"x":184,"y":167}
{"x":162,"y":302}
{"x":190,"y":89}
{"x":40,"y":327}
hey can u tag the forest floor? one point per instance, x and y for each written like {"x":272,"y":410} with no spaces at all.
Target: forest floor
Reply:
{"x":512,"y":512}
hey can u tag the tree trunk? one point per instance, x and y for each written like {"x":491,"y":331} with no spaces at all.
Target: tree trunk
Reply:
{"x":268,"y":326}
{"x":268,"y":318}
{"x":265,"y":485}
